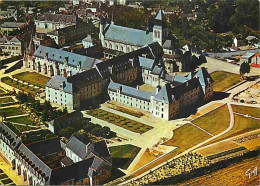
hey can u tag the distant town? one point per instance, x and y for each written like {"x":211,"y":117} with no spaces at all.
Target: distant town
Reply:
{"x":129,"y":92}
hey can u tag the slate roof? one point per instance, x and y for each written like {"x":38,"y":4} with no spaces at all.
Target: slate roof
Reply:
{"x":88,"y":39}
{"x":62,"y":56}
{"x":77,"y":171}
{"x":128,"y":35}
{"x":65,"y":118}
{"x":69,"y":29}
{"x":56,"y":81}
{"x":101,"y":149}
{"x":146,"y":63}
{"x":14,"y":139}
{"x":204,"y":77}
{"x":57,"y":18}
{"x":11,"y":25}
{"x":129,"y":91}
{"x":78,"y":145}
{"x":159,"y":15}
{"x":84,"y":78}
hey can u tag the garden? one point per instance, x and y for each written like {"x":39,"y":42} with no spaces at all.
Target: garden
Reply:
{"x":20,"y":86}
{"x":33,"y":78}
{"x":6,"y":100}
{"x":120,"y":121}
{"x":11,"y":111}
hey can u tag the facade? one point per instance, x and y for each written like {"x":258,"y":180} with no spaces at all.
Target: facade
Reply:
{"x":88,"y":42}
{"x":54,"y":21}
{"x":69,"y":34}
{"x":124,"y":39}
{"x":11,"y":46}
{"x":168,"y":100}
{"x":30,"y":162}
{"x":50,"y":62}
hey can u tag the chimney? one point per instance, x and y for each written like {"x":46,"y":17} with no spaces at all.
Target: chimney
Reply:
{"x":158,"y":88}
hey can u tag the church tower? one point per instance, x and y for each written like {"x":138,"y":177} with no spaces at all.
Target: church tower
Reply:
{"x":102,"y":29}
{"x":160,"y":30}
{"x":28,"y":61}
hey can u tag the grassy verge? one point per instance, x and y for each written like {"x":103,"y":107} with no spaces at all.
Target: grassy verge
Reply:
{"x":123,"y":155}
{"x":6,"y":100}
{"x":24,"y":120}
{"x":252,"y":111}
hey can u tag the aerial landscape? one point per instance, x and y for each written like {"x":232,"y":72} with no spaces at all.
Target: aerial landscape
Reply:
{"x":129,"y":92}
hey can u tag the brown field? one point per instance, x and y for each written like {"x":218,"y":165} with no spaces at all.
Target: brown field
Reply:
{"x":146,"y":158}
{"x":232,"y":175}
{"x":252,"y":111}
{"x":241,"y":126}
{"x":216,"y":148}
{"x":252,"y":144}
{"x":212,"y":123}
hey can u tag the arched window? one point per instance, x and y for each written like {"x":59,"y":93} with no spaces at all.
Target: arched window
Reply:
{"x":122,"y":48}
{"x":158,"y":34}
{"x":117,"y":47}
{"x":110,"y":45}
{"x":155,"y":33}
{"x":106,"y":44}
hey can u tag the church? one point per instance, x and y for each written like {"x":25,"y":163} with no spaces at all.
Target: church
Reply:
{"x":124,"y":39}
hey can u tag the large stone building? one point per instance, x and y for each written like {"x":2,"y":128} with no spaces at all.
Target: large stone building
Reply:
{"x":47,"y":162}
{"x":166,"y":101}
{"x":124,"y":39}
{"x":70,"y":34}
{"x":11,"y":46}
{"x":50,"y":61}
{"x":49,"y":22}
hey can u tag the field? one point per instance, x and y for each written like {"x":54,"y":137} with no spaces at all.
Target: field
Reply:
{"x":20,"y":86}
{"x":120,"y":121}
{"x":231,"y":175}
{"x":33,"y":78}
{"x":24,"y":120}
{"x":252,"y":111}
{"x":211,"y":121}
{"x":11,"y":111}
{"x":6,"y":100}
{"x":123,"y":155}
{"x":216,"y":148}
{"x":186,"y":137}
{"x":224,"y":80}
{"x":241,"y":126}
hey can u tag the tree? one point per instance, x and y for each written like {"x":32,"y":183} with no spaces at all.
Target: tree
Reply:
{"x":67,"y":132}
{"x":244,"y":68}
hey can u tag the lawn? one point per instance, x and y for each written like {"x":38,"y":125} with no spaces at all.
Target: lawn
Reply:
{"x":242,"y":125}
{"x":6,"y":100}
{"x":252,"y":111}
{"x":120,"y":121}
{"x":11,"y":111}
{"x":24,"y":120}
{"x":20,"y":86}
{"x":123,"y":155}
{"x":147,"y":88}
{"x":33,"y":78}
{"x":186,"y":137}
{"x":224,"y":80}
{"x":211,"y":121}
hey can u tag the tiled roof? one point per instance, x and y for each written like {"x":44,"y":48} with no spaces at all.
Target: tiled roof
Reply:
{"x":61,"y":56}
{"x":129,"y":91}
{"x":204,"y":78}
{"x":128,"y":35}
{"x":56,"y":81}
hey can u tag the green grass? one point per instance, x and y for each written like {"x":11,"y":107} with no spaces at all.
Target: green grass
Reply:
{"x":24,"y":120}
{"x":252,"y":111}
{"x":186,"y":137}
{"x":212,"y":123}
{"x":120,"y":121}
{"x":33,"y":78}
{"x":123,"y":155}
{"x":6,"y":100}
{"x":11,"y":111}
{"x":20,"y":86}
{"x":224,"y":80}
